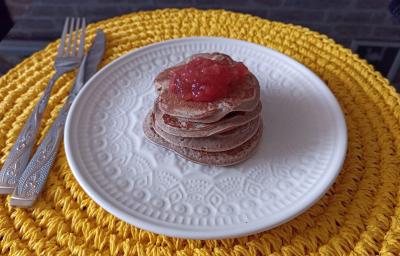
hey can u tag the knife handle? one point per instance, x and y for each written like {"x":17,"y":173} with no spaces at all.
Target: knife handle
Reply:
{"x":20,"y":152}
{"x":34,"y":177}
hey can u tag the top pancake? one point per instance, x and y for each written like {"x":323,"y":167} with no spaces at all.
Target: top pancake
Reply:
{"x":243,"y":97}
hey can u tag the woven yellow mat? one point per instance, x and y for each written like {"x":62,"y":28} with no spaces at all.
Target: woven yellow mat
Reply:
{"x":360,"y":214}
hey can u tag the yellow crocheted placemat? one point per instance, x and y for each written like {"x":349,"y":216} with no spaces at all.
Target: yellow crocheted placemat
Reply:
{"x":360,"y":214}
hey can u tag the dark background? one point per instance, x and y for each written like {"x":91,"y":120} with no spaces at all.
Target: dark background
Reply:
{"x":380,"y":58}
{"x":38,"y":22}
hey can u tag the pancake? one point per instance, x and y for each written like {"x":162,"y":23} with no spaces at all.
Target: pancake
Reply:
{"x":241,"y":97}
{"x":214,"y":143}
{"x":161,"y":81}
{"x":183,"y":128}
{"x":225,"y":158}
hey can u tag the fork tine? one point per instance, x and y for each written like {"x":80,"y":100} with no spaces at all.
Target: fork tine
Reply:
{"x":63,"y":36}
{"x":71,"y":30}
{"x":74,"y":49}
{"x":82,"y":38}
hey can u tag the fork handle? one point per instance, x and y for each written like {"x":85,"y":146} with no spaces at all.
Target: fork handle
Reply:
{"x":18,"y":158}
{"x":34,"y":177}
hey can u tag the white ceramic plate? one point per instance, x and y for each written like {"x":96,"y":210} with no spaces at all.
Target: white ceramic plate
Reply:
{"x":301,"y":152}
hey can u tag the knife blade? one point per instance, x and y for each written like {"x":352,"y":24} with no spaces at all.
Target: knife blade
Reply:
{"x":95,"y":55}
{"x":34,"y":176}
{"x":93,"y":59}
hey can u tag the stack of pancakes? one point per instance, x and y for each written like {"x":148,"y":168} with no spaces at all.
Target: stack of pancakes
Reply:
{"x":222,"y":132}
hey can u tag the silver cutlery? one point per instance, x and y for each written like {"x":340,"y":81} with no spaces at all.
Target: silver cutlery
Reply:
{"x":69,"y":56}
{"x":34,"y":176}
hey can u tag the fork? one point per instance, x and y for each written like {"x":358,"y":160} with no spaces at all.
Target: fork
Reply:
{"x":69,"y":56}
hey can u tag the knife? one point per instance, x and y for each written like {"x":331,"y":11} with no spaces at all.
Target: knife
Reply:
{"x":34,"y":176}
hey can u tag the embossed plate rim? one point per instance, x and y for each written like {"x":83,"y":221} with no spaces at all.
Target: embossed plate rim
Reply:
{"x":208,"y":233}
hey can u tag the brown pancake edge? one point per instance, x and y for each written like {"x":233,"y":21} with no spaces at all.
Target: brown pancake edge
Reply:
{"x":246,"y":107}
{"x":214,"y":143}
{"x":225,"y":158}
{"x":176,"y":127}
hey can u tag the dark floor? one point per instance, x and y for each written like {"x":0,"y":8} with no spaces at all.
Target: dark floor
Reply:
{"x":365,"y":25}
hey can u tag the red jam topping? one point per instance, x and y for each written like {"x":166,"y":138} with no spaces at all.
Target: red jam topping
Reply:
{"x":205,"y":79}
